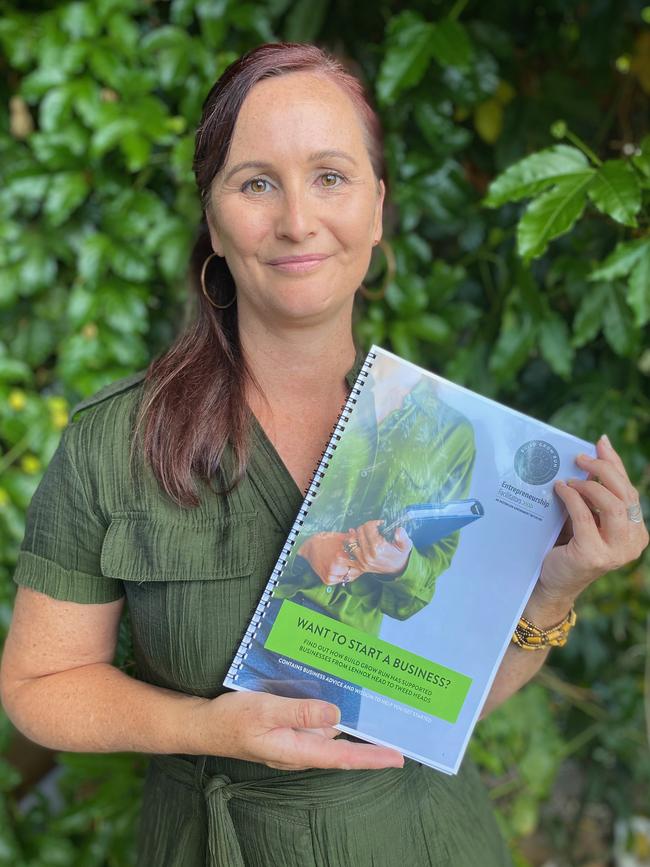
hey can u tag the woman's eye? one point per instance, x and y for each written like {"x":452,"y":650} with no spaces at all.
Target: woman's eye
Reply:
{"x":332,"y":176}
{"x":252,"y":185}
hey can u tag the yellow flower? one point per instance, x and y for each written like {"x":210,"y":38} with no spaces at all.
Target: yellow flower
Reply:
{"x":488,"y":120}
{"x":57,"y":404}
{"x":623,"y":63}
{"x":30,"y":464}
{"x":17,"y":399}
{"x":59,"y":419}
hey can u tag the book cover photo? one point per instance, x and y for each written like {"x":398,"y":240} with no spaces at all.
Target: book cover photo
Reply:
{"x":410,"y":561}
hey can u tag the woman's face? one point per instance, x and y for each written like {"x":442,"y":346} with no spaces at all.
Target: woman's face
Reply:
{"x":295,"y":197}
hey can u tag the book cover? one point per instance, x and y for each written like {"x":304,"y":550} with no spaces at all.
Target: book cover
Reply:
{"x":410,"y":561}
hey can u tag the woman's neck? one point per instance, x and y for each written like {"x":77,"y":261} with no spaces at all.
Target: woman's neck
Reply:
{"x":300,"y":378}
{"x":303,"y":364}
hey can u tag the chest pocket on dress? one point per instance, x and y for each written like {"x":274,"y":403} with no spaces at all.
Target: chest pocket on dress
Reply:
{"x":191,"y":587}
{"x":138,"y":547}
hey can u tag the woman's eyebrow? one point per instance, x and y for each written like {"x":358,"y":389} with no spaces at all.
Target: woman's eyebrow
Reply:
{"x":313,"y":158}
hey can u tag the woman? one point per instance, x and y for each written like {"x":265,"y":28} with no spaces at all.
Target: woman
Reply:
{"x":288,"y":164}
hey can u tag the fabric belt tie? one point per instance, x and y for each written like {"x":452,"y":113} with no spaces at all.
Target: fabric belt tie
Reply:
{"x":223,"y":845}
{"x":295,"y":789}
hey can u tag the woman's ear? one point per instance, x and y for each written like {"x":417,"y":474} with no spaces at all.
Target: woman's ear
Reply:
{"x":378,"y":228}
{"x":214,"y":233}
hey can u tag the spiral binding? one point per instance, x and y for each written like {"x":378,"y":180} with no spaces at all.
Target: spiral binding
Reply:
{"x":323,"y":463}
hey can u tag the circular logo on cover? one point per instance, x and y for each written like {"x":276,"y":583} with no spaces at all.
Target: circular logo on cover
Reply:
{"x":536,"y":462}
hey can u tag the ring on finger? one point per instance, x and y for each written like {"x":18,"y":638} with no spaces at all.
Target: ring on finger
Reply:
{"x":635,"y":514}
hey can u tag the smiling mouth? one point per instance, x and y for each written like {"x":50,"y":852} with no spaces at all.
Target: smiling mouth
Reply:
{"x":298,"y":264}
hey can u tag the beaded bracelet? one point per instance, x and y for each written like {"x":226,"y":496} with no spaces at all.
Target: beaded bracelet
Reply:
{"x":531,"y":637}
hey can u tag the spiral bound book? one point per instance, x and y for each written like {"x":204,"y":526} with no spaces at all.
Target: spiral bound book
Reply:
{"x":410,"y":561}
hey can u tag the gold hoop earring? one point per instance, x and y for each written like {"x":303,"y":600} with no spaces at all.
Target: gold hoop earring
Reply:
{"x":205,"y":291}
{"x":391,"y":268}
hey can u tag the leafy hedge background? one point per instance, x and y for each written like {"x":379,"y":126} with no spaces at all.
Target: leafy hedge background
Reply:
{"x":520,"y":180}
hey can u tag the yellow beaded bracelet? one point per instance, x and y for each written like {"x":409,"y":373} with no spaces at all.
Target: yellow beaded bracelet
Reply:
{"x":531,"y":637}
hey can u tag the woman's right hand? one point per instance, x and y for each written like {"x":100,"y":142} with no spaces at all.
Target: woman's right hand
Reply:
{"x":291,"y":734}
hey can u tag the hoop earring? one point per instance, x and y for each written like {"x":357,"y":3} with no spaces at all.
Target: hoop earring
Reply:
{"x":391,"y":268}
{"x":205,"y":291}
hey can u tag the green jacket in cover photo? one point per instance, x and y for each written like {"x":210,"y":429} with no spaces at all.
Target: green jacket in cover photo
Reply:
{"x":422,"y":452}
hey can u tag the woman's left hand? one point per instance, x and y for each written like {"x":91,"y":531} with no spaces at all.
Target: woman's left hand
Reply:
{"x":604,"y":536}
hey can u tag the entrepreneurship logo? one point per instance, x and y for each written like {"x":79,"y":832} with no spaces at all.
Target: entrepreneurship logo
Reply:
{"x":536,"y":462}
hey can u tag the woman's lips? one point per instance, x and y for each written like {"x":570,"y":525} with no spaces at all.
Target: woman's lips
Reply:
{"x":298,"y":264}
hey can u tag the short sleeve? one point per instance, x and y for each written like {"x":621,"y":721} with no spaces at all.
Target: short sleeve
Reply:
{"x":61,"y":550}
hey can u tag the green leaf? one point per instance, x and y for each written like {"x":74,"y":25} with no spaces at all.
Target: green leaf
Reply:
{"x":621,"y":261}
{"x":108,"y":136}
{"x":35,"y":340}
{"x":253,"y":18}
{"x":28,"y":187}
{"x":12,"y":370}
{"x":638,"y":291}
{"x":617,"y":324}
{"x":173,"y":255}
{"x":94,"y":253}
{"x":18,"y":37}
{"x":305,"y":20}
{"x":440,"y":132}
{"x":214,"y":24}
{"x":9,"y":287}
{"x":131,"y":264}
{"x":534,"y":173}
{"x":589,"y":318}
{"x":37,"y":270}
{"x":513,"y":346}
{"x":79,"y":20}
{"x":82,"y":306}
{"x":41,"y":80}
{"x":54,"y":107}
{"x":181,"y":158}
{"x":165,"y":37}
{"x":402,"y":341}
{"x":137,"y":150}
{"x":66,"y":192}
{"x":431,"y":328}
{"x":124,"y":32}
{"x":615,"y":191}
{"x":60,"y":150}
{"x":642,"y":159}
{"x":174,"y":64}
{"x":450,"y":44}
{"x":555,"y":345}
{"x":124,"y":311}
{"x":407,"y":56}
{"x":552,"y":214}
{"x":102,"y":64}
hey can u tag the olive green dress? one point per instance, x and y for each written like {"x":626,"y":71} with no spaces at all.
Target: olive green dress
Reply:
{"x":98,"y":530}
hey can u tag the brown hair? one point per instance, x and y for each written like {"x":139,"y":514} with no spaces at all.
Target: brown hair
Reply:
{"x":193,"y":403}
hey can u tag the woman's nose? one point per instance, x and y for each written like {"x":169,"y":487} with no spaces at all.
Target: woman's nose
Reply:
{"x":297,"y":216}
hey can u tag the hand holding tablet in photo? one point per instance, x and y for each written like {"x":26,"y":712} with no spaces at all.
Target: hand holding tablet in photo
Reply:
{"x":327,"y":556}
{"x":374,"y":553}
